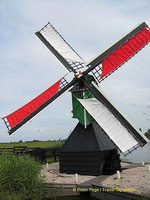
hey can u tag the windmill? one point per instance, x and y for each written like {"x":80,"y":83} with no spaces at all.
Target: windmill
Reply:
{"x":102,"y":128}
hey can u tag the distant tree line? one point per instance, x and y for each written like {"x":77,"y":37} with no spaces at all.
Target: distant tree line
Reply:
{"x":20,"y":141}
{"x":147,"y":134}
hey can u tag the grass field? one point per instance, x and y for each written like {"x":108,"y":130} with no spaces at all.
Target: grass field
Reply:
{"x":34,"y":144}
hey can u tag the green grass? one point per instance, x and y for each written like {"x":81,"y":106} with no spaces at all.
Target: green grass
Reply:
{"x":40,"y":144}
{"x":52,"y":160}
{"x":35,"y":144}
{"x":148,"y":137}
{"x":20,"y":179}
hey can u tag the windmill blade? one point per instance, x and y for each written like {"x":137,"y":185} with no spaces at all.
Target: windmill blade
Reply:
{"x":20,"y":117}
{"x":60,"y":48}
{"x":112,"y":121}
{"x":115,"y":56}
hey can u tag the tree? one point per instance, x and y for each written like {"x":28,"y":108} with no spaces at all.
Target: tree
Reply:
{"x":147,"y":134}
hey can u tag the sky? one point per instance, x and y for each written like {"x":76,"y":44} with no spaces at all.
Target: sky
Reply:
{"x":27,"y":68}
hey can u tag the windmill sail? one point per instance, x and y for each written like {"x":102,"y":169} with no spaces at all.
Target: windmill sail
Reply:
{"x":21,"y":116}
{"x":114,"y":129}
{"x":110,"y":60}
{"x":120,"y":52}
{"x":60,"y":48}
{"x":126,"y":51}
{"x":110,"y":119}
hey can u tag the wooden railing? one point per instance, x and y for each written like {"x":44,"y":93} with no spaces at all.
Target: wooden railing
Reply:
{"x":39,"y":153}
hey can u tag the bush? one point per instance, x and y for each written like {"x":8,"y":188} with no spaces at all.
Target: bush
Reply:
{"x":20,"y":178}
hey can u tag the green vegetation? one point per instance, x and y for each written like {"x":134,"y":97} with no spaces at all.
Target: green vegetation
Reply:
{"x":146,"y":198}
{"x":20,"y":179}
{"x":147,"y":134}
{"x":52,"y":160}
{"x":116,"y":178}
{"x":34,"y":144}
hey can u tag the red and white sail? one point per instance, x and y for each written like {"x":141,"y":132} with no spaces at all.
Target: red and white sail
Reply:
{"x":21,"y":116}
{"x":125,"y":52}
{"x":120,"y":52}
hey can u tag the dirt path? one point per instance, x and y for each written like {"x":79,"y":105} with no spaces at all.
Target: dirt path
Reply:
{"x":134,"y":178}
{"x":52,"y":175}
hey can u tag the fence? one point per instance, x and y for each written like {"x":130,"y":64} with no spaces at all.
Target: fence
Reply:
{"x":40,"y":154}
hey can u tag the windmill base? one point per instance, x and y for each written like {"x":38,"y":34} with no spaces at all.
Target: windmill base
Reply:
{"x":89,"y":152}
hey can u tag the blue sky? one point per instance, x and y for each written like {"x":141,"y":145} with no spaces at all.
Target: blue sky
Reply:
{"x":27,"y":68}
